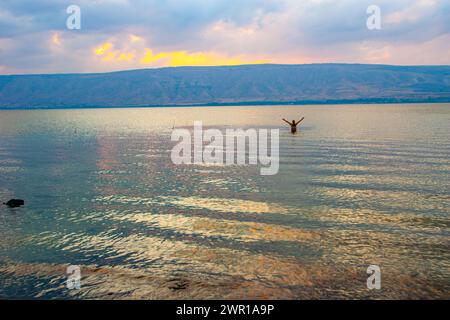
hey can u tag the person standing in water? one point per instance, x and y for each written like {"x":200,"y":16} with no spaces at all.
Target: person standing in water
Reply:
{"x":293,"y":124}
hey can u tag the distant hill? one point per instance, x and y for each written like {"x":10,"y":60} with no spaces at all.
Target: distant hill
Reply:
{"x":247,"y":84}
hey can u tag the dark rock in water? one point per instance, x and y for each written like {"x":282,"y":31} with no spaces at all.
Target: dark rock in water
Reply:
{"x":14,"y":203}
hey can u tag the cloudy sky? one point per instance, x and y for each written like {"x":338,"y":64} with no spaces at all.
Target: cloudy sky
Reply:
{"x":131,"y":34}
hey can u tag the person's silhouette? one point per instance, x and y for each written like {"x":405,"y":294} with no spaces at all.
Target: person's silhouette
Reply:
{"x":293,"y":124}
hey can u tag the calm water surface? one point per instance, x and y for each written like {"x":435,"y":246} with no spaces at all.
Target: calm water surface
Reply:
{"x":358,"y":185}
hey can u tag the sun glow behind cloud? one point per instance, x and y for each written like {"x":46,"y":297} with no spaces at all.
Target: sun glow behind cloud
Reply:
{"x":184,"y":58}
{"x":106,"y":52}
{"x":56,"y":39}
{"x":121,"y":34}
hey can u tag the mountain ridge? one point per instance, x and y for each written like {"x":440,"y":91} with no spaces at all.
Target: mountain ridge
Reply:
{"x":266,"y":84}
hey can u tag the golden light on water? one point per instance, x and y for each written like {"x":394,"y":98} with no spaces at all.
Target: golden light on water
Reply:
{"x":139,"y":226}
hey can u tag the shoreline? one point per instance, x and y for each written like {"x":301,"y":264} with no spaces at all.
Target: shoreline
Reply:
{"x":239,"y":104}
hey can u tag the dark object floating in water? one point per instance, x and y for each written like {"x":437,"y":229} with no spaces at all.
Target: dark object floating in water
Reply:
{"x":14,"y":203}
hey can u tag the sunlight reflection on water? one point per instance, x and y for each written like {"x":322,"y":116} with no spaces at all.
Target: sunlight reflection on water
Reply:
{"x":358,"y":185}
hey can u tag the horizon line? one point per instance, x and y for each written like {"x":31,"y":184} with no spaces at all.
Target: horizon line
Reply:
{"x":226,"y":66}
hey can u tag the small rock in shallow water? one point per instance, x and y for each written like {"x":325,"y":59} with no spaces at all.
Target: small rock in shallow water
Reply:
{"x":14,"y":203}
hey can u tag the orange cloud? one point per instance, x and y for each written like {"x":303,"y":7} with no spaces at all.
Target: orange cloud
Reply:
{"x":56,"y":39}
{"x":103,"y":48}
{"x":134,"y":38}
{"x":133,"y":46}
{"x":106,"y":51}
{"x":126,"y":57}
{"x":183,"y":58}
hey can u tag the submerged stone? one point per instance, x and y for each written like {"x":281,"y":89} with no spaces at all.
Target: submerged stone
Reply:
{"x":14,"y":203}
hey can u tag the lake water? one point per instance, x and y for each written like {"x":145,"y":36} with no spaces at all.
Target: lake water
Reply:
{"x":358,"y":185}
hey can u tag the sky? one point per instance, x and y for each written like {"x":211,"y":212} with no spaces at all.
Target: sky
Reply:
{"x":126,"y":34}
